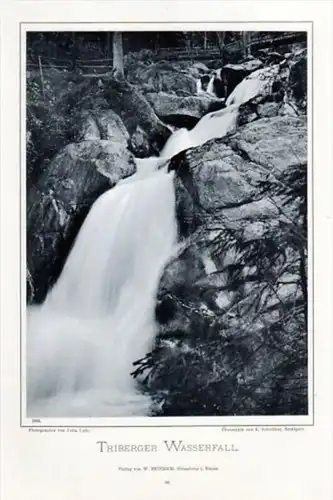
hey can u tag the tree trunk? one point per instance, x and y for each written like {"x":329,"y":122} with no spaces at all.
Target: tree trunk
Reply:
{"x":118,"y":55}
{"x":220,"y":35}
{"x":246,"y":44}
{"x":157,"y":43}
{"x":74,"y":51}
{"x":188,"y":41}
{"x":41,"y":74}
{"x":108,"y":45}
{"x":205,"y":40}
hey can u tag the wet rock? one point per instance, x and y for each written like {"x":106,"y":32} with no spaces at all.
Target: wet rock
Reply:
{"x":87,"y":128}
{"x":218,"y":193}
{"x":233,"y":74}
{"x":57,"y":206}
{"x":268,"y":109}
{"x":167,"y":77}
{"x":275,"y":143}
{"x":215,"y":173}
{"x":135,"y":111}
{"x":111,"y":127}
{"x":181,"y":111}
{"x":297,"y":83}
{"x":198,"y":69}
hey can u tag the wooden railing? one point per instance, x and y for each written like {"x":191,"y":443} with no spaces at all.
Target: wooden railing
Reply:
{"x":212,"y":51}
{"x":91,"y":65}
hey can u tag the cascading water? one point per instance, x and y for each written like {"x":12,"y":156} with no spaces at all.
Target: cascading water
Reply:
{"x":211,"y":126}
{"x":257,"y":82}
{"x":210,"y":86}
{"x":99,"y":317}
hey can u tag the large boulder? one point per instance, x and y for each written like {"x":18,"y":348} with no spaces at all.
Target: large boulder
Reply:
{"x":138,"y":117}
{"x":285,"y":80}
{"x":101,"y":124}
{"x":181,"y":111}
{"x":198,"y":69}
{"x":233,"y":74}
{"x":275,"y":143}
{"x":167,"y":77}
{"x":262,"y":82}
{"x":57,"y":206}
{"x":269,"y":57}
{"x":89,"y":104}
{"x":212,"y":173}
{"x":218,"y":186}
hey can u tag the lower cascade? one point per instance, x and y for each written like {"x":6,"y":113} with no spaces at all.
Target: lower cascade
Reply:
{"x":100,"y":316}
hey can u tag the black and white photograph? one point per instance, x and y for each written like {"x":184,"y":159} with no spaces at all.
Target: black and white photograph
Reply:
{"x":166,"y":179}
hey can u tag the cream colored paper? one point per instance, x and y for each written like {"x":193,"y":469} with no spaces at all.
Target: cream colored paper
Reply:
{"x":271,"y":457}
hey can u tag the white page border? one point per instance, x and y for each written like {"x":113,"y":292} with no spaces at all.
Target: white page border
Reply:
{"x":270,"y":464}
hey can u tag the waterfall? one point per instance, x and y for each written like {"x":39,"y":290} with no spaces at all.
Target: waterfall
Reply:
{"x":199,"y":87}
{"x":257,"y":82}
{"x":214,"y":125}
{"x":177,"y":142}
{"x":100,"y":316}
{"x":210,"y":86}
{"x":211,"y":126}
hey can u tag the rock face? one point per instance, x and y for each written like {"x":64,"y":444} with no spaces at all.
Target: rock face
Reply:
{"x":276,"y":143}
{"x":297,"y":83}
{"x":223,"y":174}
{"x":147,"y":132}
{"x":198,"y":69}
{"x":233,"y":74}
{"x":101,"y":124}
{"x":71,"y":183}
{"x":224,"y":212}
{"x":167,"y":77}
{"x":281,"y":81}
{"x":182,"y":111}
